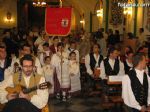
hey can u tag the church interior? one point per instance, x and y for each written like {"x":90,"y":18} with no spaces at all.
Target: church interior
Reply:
{"x":86,"y":54}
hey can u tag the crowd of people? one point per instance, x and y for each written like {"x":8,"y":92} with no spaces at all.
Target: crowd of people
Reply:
{"x":33,"y":58}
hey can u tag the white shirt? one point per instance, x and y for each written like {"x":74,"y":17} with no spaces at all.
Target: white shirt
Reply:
{"x":127,"y":93}
{"x":111,"y":62}
{"x":87,"y":63}
{"x":2,"y":63}
{"x":39,"y":100}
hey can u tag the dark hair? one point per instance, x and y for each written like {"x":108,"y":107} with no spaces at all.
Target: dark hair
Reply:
{"x":46,"y":44}
{"x":27,"y":57}
{"x":27,"y":45}
{"x":137,"y":58}
{"x":130,"y":35}
{"x":111,"y":50}
{"x":72,"y":53}
{"x":142,"y":29}
{"x":140,"y":49}
{"x":72,"y":42}
{"x":96,"y":44}
{"x":47,"y":58}
{"x":130,"y":48}
{"x":60,"y":44}
{"x":129,"y":52}
{"x":56,"y":37}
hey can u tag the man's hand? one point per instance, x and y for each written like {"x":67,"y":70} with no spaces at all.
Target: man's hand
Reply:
{"x":143,"y":109}
{"x":11,"y":96}
{"x":26,"y":96}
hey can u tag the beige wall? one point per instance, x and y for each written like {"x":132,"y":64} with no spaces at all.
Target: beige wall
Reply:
{"x":140,"y":21}
{"x":8,"y":6}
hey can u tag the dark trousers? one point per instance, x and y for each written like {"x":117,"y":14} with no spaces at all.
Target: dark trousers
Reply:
{"x":20,"y":105}
{"x":130,"y":109}
{"x":93,"y":82}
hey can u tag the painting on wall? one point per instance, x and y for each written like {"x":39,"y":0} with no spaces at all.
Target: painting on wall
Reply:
{"x":147,"y":18}
{"x":116,"y":12}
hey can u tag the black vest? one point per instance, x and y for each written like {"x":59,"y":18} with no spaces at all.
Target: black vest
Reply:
{"x":109,"y":70}
{"x":140,"y":91}
{"x":93,"y":61}
{"x":6,"y":65}
{"x":71,"y":50}
{"x":126,"y":67}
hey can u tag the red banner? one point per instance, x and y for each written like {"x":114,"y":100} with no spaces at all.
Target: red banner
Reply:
{"x":58,"y":21}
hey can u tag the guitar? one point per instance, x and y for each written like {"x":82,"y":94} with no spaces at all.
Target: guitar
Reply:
{"x":18,"y":88}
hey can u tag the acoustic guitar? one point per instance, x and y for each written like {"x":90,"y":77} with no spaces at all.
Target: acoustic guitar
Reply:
{"x":18,"y":88}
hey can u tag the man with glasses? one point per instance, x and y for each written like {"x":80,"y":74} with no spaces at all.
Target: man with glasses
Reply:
{"x":31,"y":102}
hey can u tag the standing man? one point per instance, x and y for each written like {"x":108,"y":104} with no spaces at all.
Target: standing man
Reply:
{"x":136,"y":86}
{"x":26,"y":102}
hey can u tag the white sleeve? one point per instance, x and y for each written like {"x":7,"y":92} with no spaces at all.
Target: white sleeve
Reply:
{"x":121,"y":71}
{"x":127,"y":94}
{"x":41,"y":59}
{"x":37,"y":41}
{"x":41,"y":99}
{"x":54,"y":61}
{"x":3,"y":93}
{"x":102,"y":68}
{"x":8,"y":72}
{"x":77,"y":55}
{"x":87,"y":64}
{"x":38,"y":65}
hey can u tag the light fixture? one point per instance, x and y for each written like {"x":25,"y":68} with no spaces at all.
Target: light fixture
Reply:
{"x":82,"y":21}
{"x":39,"y":3}
{"x":8,"y":17}
{"x":99,"y":13}
{"x":128,"y":10}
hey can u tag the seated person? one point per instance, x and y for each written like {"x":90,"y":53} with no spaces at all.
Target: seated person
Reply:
{"x":124,"y":55}
{"x":128,"y":62}
{"x":93,"y":62}
{"x":135,"y":86}
{"x":112,"y":65}
{"x":4,"y":62}
{"x":24,"y":102}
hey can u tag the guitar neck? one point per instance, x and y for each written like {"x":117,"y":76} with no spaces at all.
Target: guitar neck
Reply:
{"x":28,"y":90}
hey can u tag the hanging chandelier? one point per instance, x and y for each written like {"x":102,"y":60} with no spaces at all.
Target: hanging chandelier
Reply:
{"x":39,"y":3}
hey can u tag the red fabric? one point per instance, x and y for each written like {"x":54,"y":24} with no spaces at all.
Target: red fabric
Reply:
{"x":58,"y":21}
{"x":52,"y":48}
